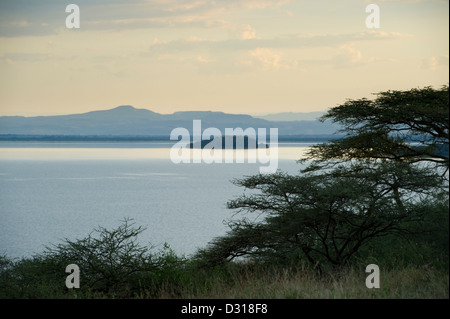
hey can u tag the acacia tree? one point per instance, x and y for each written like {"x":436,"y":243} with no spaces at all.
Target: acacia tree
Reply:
{"x":366,"y":185}
{"x":326,"y":217}
{"x":409,"y":126}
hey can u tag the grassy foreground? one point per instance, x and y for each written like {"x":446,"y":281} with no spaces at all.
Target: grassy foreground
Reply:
{"x":242,"y":281}
{"x":410,"y":282}
{"x":113,"y":265}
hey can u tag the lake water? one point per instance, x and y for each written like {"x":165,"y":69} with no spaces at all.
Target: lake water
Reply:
{"x":52,"y":191}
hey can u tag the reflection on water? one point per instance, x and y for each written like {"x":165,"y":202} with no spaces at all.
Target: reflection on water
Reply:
{"x":122,"y":151}
{"x":51,"y":193}
{"x":62,"y":153}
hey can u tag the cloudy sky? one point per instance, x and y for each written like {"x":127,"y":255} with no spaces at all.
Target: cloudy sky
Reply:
{"x":235,"y":56}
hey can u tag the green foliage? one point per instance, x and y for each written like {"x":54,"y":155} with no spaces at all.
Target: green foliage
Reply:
{"x":425,"y":241}
{"x":324,"y":218}
{"x":107,"y":258}
{"x":372,"y":183}
{"x":33,"y":277}
{"x":384,"y":128}
{"x":43,"y":275}
{"x":111,"y":263}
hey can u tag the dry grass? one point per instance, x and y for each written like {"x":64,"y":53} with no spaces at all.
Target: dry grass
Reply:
{"x":411,"y":282}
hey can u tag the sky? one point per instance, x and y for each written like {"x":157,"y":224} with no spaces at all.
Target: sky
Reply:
{"x":233,"y":56}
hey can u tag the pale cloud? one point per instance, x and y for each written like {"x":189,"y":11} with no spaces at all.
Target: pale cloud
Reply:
{"x":289,"y":13}
{"x":380,"y":34}
{"x":348,"y":56}
{"x":251,"y":52}
{"x":140,"y":52}
{"x":249,"y":41}
{"x":183,"y":21}
{"x":176,"y":6}
{"x":436,"y":62}
{"x":224,"y":6}
{"x":20,"y":23}
{"x":257,"y":4}
{"x":407,"y":1}
{"x":247,"y":32}
{"x":24,"y":18}
{"x":202,"y":60}
{"x":30,"y":57}
{"x":268,"y":60}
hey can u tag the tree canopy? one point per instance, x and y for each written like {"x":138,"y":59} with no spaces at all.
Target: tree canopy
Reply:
{"x":325,"y":217}
{"x":372,"y":183}
{"x":408,"y":125}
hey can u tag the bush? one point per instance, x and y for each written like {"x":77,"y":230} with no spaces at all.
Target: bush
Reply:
{"x":112,"y":264}
{"x":106,"y":258}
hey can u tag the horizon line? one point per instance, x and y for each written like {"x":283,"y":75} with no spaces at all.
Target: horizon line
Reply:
{"x":138,"y":108}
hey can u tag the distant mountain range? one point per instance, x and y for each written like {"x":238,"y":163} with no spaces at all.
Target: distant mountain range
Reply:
{"x":126,"y":121}
{"x":291,"y":116}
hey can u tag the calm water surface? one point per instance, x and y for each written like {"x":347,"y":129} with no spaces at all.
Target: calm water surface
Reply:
{"x":52,"y":191}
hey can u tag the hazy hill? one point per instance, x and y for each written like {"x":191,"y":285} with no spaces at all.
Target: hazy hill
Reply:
{"x":128,"y":121}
